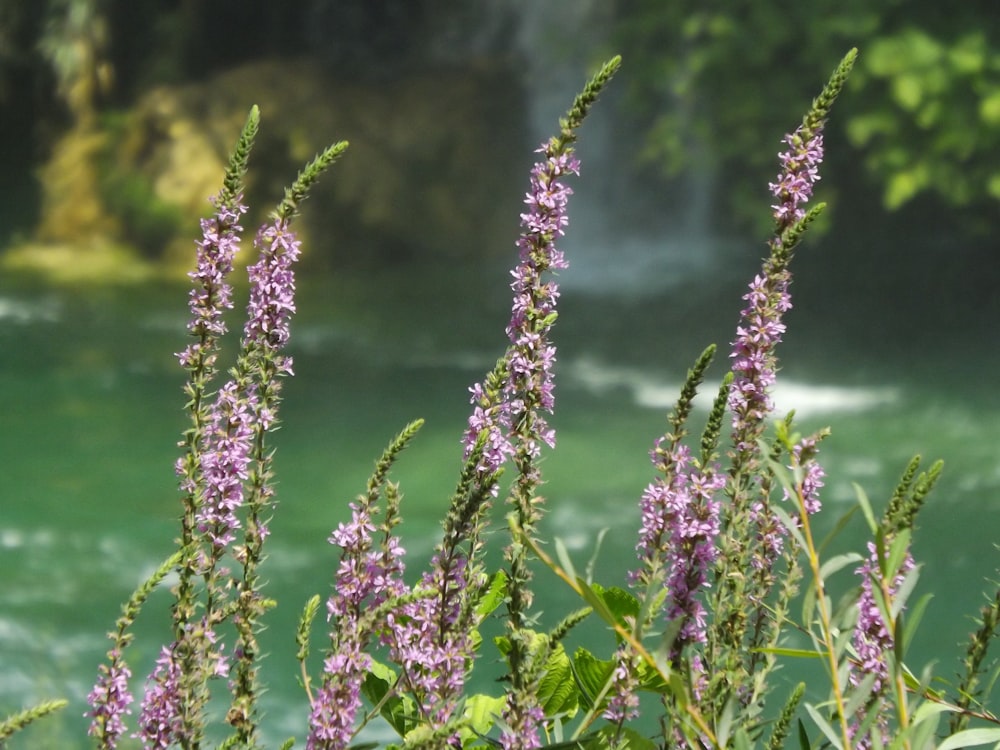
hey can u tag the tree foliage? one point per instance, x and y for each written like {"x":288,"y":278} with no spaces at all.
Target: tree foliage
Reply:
{"x":710,"y":77}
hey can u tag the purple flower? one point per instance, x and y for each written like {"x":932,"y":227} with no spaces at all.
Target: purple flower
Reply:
{"x":160,"y":720}
{"x":336,"y":703}
{"x":623,"y":704}
{"x":680,"y":522}
{"x":109,"y":701}
{"x":804,"y":459}
{"x":530,"y":357}
{"x":754,"y":362}
{"x":761,"y":326}
{"x":800,"y":169}
{"x":212,"y":294}
{"x":272,"y":287}
{"x":431,"y":644}
{"x":521,"y":725}
{"x":873,"y":638}
{"x":366,"y":577}
{"x":225,"y":457}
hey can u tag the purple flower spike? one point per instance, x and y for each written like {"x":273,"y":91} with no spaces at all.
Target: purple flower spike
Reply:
{"x":109,"y":701}
{"x":873,"y":639}
{"x":680,"y":523}
{"x":428,"y":643}
{"x":272,"y":287}
{"x":160,"y":715}
{"x":366,"y":577}
{"x":800,"y":170}
{"x":804,"y":458}
{"x":530,"y":357}
{"x":212,"y":294}
{"x":225,"y":461}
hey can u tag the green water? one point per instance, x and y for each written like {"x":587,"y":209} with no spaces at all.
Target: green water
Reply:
{"x":91,"y":407}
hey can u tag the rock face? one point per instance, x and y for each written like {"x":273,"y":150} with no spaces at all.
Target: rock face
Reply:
{"x":436,"y":165}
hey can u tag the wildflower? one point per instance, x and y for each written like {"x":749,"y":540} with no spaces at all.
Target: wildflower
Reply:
{"x":366,"y":577}
{"x":804,"y":458}
{"x":212,"y":294}
{"x":272,"y":288}
{"x":429,"y":641}
{"x":623,"y":705}
{"x":160,"y":720}
{"x":873,"y":638}
{"x":336,"y":703}
{"x":529,"y":384}
{"x":225,"y":459}
{"x":800,"y":170}
{"x":761,"y":326}
{"x":680,"y":522}
{"x":109,"y":701}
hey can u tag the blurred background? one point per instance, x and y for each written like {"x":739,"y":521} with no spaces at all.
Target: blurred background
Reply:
{"x":116,"y":120}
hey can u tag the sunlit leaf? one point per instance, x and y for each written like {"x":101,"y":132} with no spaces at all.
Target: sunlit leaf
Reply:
{"x":971,"y":738}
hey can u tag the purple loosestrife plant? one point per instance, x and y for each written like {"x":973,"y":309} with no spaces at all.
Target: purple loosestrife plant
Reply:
{"x":225,"y":480}
{"x":257,"y":375}
{"x":369,"y":575}
{"x":209,"y":496}
{"x":528,"y":393}
{"x":749,"y":530}
{"x":709,"y":582}
{"x":110,"y":698}
{"x":873,"y":639}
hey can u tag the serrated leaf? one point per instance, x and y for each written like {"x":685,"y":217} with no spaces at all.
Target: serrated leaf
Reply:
{"x":591,"y":673}
{"x":493,"y":596}
{"x":399,"y":711}
{"x":621,"y":603}
{"x":481,"y":712}
{"x":557,"y":691}
{"x":591,"y":594}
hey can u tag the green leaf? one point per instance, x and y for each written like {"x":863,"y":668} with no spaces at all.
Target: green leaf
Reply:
{"x":557,"y":691}
{"x":592,"y":562}
{"x":620,"y":603}
{"x":825,"y":727}
{"x":493,"y":596}
{"x":804,"y":743}
{"x":399,"y":711}
{"x":837,"y":563}
{"x":592,"y":594}
{"x":481,"y":712}
{"x":971,"y":738}
{"x":898,"y":551}
{"x":795,"y":653}
{"x":902,"y":594}
{"x":591,"y":673}
{"x":629,"y":738}
{"x":866,"y":506}
{"x":562,"y":554}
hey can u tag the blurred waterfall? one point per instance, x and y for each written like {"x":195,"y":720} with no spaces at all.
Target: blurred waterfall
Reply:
{"x":624,"y":237}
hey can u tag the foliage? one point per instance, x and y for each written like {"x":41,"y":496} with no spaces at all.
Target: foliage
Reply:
{"x":695,"y":634}
{"x":710,"y":76}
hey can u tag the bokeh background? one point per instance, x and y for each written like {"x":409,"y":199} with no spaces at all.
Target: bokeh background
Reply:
{"x":116,"y":119}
